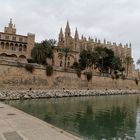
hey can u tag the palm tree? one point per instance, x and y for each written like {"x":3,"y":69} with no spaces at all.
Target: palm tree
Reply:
{"x":49,"y":45}
{"x":64,"y":52}
{"x":43,"y":51}
{"x":128,"y":62}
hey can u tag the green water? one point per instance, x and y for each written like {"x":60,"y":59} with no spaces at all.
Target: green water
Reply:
{"x":91,"y":118}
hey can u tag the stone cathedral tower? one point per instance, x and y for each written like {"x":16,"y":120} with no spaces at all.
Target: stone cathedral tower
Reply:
{"x":77,"y":44}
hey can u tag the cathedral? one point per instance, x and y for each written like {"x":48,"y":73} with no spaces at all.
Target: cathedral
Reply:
{"x":18,"y":47}
{"x":77,"y":44}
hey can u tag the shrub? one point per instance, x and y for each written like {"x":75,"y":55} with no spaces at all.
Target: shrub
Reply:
{"x":30,"y":61}
{"x":78,"y":72}
{"x":136,"y":81}
{"x":29,"y":68}
{"x":123,"y":77}
{"x":49,"y":70}
{"x":89,"y":76}
{"x":116,"y":76}
{"x":112,"y":76}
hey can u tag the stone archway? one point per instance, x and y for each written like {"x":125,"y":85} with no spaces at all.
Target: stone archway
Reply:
{"x":7,"y":46}
{"x":13,"y":55}
{"x":22,"y":58}
{"x":3,"y":55}
{"x":2,"y":45}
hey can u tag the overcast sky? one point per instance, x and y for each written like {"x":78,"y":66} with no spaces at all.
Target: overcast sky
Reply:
{"x":116,"y":20}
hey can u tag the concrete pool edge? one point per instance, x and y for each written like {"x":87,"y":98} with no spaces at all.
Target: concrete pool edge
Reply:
{"x":16,"y":123}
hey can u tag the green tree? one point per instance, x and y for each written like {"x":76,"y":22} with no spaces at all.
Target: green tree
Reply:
{"x":101,"y":58}
{"x":42,"y":51}
{"x":49,"y":45}
{"x":87,"y":59}
{"x":39,"y":54}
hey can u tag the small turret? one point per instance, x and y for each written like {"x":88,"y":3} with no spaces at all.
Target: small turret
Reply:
{"x":130,"y":45}
{"x":82,"y":37}
{"x":11,"y":28}
{"x":89,"y":38}
{"x":120,"y":44}
{"x":104,"y":41}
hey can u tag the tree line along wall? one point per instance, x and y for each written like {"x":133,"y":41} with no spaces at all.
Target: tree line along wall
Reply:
{"x":14,"y":76}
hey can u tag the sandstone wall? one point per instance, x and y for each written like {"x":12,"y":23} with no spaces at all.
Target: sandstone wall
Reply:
{"x":15,"y":76}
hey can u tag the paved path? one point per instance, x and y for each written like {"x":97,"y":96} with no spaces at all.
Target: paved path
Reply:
{"x":17,"y":125}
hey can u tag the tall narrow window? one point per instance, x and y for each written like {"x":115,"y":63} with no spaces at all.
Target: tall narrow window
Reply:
{"x":14,"y":38}
{"x":2,"y":45}
{"x":20,"y":39}
{"x":20,"y":48}
{"x":7,"y":46}
{"x":7,"y":37}
{"x":24,"y":48}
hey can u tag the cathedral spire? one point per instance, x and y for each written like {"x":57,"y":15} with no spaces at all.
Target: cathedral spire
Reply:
{"x":76,"y":34}
{"x":61,"y":35}
{"x":67,"y":30}
{"x":96,"y":39}
{"x":104,"y":41}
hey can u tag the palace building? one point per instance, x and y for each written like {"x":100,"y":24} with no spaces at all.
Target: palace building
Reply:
{"x":77,"y":44}
{"x":15,"y":47}
{"x":18,"y":48}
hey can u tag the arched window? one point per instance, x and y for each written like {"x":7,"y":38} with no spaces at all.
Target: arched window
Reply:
{"x":12,"y":46}
{"x":20,"y":47}
{"x":2,"y":45}
{"x":22,"y":57}
{"x":13,"y":55}
{"x":7,"y":46}
{"x":25,"y":48}
{"x":3,"y":54}
{"x":16,"y":47}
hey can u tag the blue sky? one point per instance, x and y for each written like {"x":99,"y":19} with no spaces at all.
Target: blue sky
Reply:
{"x":116,"y":20}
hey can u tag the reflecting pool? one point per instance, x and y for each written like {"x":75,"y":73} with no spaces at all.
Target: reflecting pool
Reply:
{"x":91,"y":118}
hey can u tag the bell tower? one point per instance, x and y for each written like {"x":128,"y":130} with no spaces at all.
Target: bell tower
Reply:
{"x":11,"y":28}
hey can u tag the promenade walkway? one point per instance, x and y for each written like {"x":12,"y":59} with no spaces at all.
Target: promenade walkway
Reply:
{"x":17,"y":125}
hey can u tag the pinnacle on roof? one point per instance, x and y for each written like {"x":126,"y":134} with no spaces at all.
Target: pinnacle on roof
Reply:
{"x":76,"y":34}
{"x":67,"y":30}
